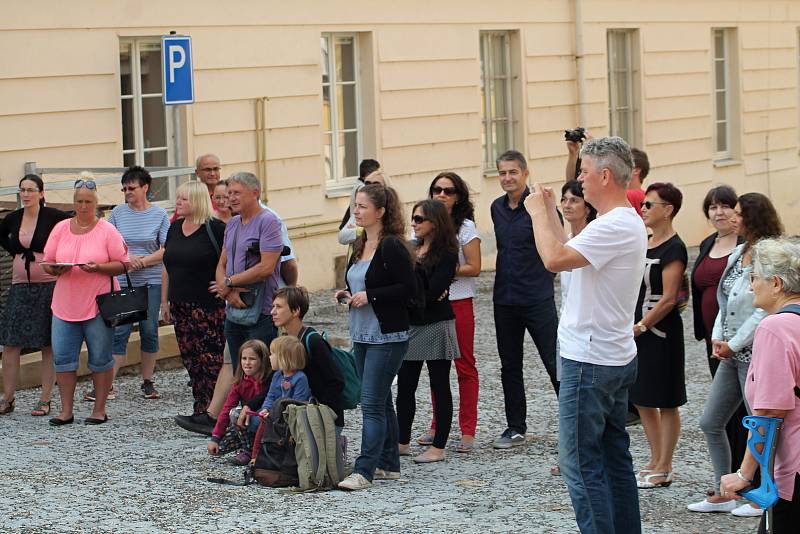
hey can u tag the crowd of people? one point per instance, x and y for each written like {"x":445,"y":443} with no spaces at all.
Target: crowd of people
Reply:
{"x":223,"y":271}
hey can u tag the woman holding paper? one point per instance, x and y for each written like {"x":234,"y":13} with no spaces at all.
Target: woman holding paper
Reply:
{"x":84,"y":253}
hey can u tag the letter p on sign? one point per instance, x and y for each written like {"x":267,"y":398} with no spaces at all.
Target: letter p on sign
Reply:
{"x":177,"y":75}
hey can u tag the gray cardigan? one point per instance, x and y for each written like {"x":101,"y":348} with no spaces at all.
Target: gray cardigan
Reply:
{"x":742,"y":317}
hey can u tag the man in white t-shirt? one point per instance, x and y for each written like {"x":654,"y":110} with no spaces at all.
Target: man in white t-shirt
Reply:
{"x":596,"y":336}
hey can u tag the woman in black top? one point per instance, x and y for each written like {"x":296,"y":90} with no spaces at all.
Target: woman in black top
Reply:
{"x":660,"y":386}
{"x":27,"y":317}
{"x":380,"y":280}
{"x":191,"y":253}
{"x":432,"y":338}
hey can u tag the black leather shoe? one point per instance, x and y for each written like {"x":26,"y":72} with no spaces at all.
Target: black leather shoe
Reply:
{"x":200,"y":423}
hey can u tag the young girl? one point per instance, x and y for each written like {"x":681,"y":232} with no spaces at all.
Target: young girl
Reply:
{"x":250,"y":381}
{"x":288,"y":357}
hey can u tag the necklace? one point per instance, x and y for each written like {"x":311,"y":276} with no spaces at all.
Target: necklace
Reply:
{"x":81,"y":226}
{"x":722,"y":236}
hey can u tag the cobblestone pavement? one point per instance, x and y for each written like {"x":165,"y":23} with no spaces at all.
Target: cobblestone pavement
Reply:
{"x":141,"y":473}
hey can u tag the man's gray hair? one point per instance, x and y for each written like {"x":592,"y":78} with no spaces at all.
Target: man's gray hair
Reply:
{"x":611,"y":153}
{"x":200,"y":158}
{"x":779,"y":257}
{"x":247,"y":179}
{"x":512,"y":155}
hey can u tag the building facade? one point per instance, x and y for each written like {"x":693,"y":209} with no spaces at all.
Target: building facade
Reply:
{"x":299,"y":93}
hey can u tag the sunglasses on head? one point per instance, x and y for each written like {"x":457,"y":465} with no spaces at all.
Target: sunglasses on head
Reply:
{"x":647,"y":204}
{"x":371,"y":182}
{"x":418,"y":219}
{"x":449,"y":191}
{"x":88,"y":184}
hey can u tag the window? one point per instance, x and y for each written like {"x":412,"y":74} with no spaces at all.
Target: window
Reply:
{"x":496,"y":95}
{"x":341,"y":137}
{"x":725,"y":95}
{"x":623,"y":85}
{"x":147,"y":124}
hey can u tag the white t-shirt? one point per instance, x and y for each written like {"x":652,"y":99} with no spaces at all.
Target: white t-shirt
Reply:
{"x":464,"y":288}
{"x":597,"y":324}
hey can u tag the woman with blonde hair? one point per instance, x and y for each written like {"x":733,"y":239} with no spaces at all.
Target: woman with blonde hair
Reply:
{"x":191,"y":254}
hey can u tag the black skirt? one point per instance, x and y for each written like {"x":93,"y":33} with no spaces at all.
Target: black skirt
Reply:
{"x":661,"y":380}
{"x":27,"y":318}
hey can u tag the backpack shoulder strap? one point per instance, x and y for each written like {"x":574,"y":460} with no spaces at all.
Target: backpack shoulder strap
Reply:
{"x":211,"y":237}
{"x":795,"y":309}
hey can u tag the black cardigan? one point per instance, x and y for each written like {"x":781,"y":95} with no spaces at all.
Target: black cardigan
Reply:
{"x":9,"y":232}
{"x":436,"y":283}
{"x":390,"y":282}
{"x":705,"y":247}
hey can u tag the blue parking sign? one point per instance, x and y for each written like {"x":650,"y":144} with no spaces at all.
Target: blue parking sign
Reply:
{"x":178,"y":81}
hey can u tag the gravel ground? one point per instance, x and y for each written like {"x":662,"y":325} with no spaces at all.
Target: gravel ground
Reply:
{"x":141,"y":473}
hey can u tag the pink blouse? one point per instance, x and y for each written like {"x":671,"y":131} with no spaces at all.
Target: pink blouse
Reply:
{"x":75,"y":291}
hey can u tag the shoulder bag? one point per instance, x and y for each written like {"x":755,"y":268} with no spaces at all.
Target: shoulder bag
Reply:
{"x":253,"y":298}
{"x":126,"y":306}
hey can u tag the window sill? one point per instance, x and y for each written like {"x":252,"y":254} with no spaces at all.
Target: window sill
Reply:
{"x":490,"y":173}
{"x":727,"y":162}
{"x":340,"y":189}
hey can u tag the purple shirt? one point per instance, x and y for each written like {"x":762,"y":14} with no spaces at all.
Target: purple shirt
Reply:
{"x":261,"y":233}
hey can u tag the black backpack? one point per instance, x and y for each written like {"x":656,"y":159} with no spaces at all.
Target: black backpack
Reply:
{"x":273,"y":462}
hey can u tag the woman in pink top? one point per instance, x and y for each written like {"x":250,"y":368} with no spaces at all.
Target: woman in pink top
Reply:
{"x":774,"y":375}
{"x":26,"y":318}
{"x":97,"y":253}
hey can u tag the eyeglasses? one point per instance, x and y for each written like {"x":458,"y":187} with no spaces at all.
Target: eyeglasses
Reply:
{"x":418,"y":219}
{"x":125,"y":189}
{"x":449,"y":191}
{"x":28,"y":190}
{"x":753,"y":276}
{"x":88,"y":184}
{"x":647,"y":204}
{"x":210,"y":169}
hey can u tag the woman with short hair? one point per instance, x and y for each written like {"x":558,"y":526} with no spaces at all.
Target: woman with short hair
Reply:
{"x":660,"y":386}
{"x":144,"y":227}
{"x":380,"y":280}
{"x":754,"y":218}
{"x":191,"y":254}
{"x":773,"y":379}
{"x":26,"y":317}
{"x":219,"y":200}
{"x":85,"y":253}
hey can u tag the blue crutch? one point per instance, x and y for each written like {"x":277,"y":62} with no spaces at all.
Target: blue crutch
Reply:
{"x":764,"y":432}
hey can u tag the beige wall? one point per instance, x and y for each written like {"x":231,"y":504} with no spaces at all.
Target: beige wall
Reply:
{"x":59,"y":93}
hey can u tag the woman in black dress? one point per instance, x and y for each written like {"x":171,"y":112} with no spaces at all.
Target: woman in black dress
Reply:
{"x":660,"y":387}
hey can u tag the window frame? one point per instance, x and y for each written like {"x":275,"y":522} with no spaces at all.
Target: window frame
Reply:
{"x":726,"y":153}
{"x":489,"y":118}
{"x":337,"y":182}
{"x":632,"y":72}
{"x":136,"y":96}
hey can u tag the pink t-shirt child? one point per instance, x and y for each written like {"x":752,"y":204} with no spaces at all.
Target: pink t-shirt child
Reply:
{"x":75,"y":291}
{"x":774,"y":372}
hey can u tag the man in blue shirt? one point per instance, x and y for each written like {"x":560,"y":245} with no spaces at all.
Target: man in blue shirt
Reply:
{"x":523,"y":296}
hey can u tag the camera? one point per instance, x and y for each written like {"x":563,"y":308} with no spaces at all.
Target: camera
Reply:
{"x":576,"y":136}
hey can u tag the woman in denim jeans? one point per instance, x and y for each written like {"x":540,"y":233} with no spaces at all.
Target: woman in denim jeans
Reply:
{"x":380,"y":279}
{"x":754,"y":218}
{"x":85,"y":253}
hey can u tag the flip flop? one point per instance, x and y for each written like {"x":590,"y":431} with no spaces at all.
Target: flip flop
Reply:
{"x":465,"y":447}
{"x":425,"y":440}
{"x":95,"y":420}
{"x":41,"y":409}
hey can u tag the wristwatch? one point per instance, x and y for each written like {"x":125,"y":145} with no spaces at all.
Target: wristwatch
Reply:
{"x":642,"y":328}
{"x":228,"y":282}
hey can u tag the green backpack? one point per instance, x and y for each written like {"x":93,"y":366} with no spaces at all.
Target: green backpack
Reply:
{"x":346,"y":362}
{"x":318,"y":451}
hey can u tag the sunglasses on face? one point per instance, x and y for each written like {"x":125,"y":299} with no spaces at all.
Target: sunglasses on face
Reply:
{"x":449,"y":191}
{"x":88,"y":184}
{"x":647,"y":204}
{"x":125,"y":189}
{"x":418,"y":219}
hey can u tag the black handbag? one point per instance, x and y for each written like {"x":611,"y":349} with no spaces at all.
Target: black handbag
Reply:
{"x":126,"y":306}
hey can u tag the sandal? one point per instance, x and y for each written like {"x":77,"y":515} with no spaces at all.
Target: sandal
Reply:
{"x":425,"y":440}
{"x":6,"y":407}
{"x":645,"y":483}
{"x":41,"y":409}
{"x":465,"y":447}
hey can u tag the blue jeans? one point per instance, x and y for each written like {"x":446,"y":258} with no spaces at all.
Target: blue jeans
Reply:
{"x":67,"y":338}
{"x":593,"y":446}
{"x":236,"y":335}
{"x":148,"y":329}
{"x":377,"y":366}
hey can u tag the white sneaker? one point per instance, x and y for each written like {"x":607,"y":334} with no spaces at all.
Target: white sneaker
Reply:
{"x":354,"y":482}
{"x":381,"y":474}
{"x":747,"y":510}
{"x":706,"y":507}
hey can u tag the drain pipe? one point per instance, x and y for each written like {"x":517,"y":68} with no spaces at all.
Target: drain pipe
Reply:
{"x":261,"y":145}
{"x":580,"y":78}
